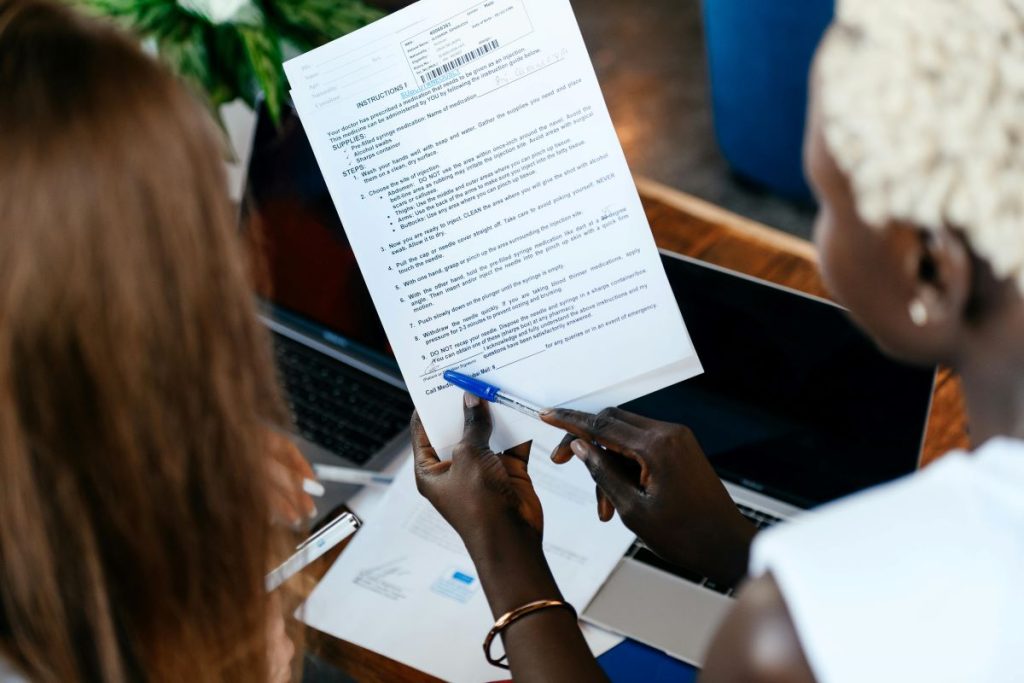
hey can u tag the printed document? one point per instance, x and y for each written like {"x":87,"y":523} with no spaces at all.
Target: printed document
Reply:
{"x":406,"y":587}
{"x":475,"y":168}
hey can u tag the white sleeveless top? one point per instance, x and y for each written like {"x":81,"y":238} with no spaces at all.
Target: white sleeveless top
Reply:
{"x":8,"y":674}
{"x":918,"y":580}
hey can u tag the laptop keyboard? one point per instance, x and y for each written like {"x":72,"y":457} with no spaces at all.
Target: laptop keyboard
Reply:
{"x":640,"y":553}
{"x":761,"y":520}
{"x":338,"y":407}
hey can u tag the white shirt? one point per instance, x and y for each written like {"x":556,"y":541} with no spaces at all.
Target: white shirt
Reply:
{"x":8,"y":674}
{"x":918,"y":580}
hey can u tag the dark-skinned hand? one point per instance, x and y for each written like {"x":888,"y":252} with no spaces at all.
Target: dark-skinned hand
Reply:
{"x":656,"y":476}
{"x":479,"y":492}
{"x":490,"y":501}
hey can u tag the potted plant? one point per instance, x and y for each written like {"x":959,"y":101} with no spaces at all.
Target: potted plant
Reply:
{"x":233,"y":49}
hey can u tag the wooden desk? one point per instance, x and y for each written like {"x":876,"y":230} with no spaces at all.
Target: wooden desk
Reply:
{"x":690,"y":226}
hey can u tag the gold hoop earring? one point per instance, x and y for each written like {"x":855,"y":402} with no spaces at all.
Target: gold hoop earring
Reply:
{"x":918,"y":313}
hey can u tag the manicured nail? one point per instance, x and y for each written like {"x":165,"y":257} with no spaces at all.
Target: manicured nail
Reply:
{"x":313,"y":488}
{"x":579,"y":448}
{"x":313,"y":512}
{"x":472,"y":400}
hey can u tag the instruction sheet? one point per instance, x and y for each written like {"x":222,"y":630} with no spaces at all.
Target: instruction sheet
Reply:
{"x":474,"y":165}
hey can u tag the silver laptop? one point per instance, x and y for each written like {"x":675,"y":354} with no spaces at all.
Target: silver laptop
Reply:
{"x":350,"y":406}
{"x":796,"y":408}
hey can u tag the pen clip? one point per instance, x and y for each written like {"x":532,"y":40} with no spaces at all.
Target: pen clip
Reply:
{"x":347,"y":517}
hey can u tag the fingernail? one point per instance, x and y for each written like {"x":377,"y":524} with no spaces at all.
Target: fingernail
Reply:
{"x":472,"y":400}
{"x":546,"y":411}
{"x":579,"y":448}
{"x":313,"y":512}
{"x":313,"y":488}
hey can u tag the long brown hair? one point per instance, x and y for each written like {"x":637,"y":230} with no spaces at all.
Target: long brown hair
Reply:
{"x":135,"y":384}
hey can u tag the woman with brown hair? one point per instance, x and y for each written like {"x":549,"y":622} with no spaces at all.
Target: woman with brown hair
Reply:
{"x":136,"y":386}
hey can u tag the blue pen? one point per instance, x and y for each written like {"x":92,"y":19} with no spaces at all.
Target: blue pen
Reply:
{"x":491,"y":393}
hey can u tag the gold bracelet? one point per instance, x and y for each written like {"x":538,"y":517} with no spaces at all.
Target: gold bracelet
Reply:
{"x":509,"y":618}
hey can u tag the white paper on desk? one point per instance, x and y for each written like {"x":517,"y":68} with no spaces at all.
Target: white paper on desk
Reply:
{"x":472,"y":160}
{"x":366,"y":503}
{"x":406,"y":588}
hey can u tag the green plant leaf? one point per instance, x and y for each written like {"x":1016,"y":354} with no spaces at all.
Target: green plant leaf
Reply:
{"x":157,"y":18}
{"x":236,"y":60}
{"x":311,"y":23}
{"x":263,"y":49}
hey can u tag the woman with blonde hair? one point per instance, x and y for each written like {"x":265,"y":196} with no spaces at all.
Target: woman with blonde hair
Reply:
{"x":916,"y":152}
{"x":136,"y":386}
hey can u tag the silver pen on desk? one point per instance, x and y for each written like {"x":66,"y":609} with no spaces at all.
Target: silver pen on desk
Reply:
{"x":351,"y":475}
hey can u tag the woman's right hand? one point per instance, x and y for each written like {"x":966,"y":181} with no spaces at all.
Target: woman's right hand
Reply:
{"x":656,"y":476}
{"x":288,"y":468}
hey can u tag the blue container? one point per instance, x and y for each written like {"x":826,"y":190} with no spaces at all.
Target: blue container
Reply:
{"x":759,"y":55}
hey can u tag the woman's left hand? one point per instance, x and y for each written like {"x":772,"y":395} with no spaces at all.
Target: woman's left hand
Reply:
{"x":489,"y":499}
{"x":479,"y":492}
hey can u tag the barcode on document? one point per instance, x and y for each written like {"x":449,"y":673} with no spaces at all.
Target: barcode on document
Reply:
{"x":468,"y":57}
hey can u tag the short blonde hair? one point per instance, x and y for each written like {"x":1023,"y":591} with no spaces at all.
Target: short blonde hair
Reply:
{"x":922,"y":103}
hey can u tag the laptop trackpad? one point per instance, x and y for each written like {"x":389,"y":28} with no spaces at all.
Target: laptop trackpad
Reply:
{"x":658,"y":609}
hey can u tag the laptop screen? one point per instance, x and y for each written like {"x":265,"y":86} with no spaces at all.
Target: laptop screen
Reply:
{"x":305,"y":269}
{"x":794,"y":402}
